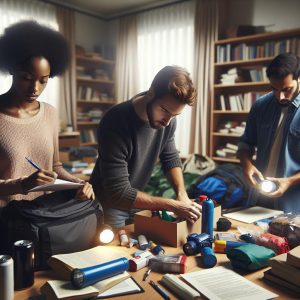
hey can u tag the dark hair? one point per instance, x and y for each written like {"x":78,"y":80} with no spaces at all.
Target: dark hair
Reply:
{"x":24,"y":40}
{"x":283,"y":65}
{"x":174,"y":81}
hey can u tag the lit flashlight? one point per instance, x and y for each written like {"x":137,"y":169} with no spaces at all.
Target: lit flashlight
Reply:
{"x":268,"y":186}
{"x":106,"y":234}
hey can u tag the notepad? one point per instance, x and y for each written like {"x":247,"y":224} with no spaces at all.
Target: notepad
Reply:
{"x":252,"y":214}
{"x":57,"y":185}
{"x":126,"y":287}
{"x":222,"y":284}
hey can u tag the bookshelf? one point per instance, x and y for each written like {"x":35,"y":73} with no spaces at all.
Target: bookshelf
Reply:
{"x":239,"y":79}
{"x":95,"y":87}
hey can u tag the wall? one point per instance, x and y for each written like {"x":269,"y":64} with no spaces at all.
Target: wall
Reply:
{"x":89,"y":31}
{"x":283,"y":14}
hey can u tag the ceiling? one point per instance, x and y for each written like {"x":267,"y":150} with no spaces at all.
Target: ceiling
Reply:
{"x":109,"y":9}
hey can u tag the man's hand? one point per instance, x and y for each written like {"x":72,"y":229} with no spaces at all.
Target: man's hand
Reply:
{"x":182,"y":196}
{"x":250,"y":171}
{"x":188,"y":210}
{"x":85,"y":193}
{"x":38,"y":178}
{"x":283,"y":185}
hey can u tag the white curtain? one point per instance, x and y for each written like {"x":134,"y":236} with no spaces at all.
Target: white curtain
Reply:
{"x":166,"y":37}
{"x":126,"y":66}
{"x":20,"y":10}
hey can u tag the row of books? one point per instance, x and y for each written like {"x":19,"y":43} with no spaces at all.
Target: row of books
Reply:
{"x":232,"y":127}
{"x":88,"y":136}
{"x":93,"y":115}
{"x":227,"y":151}
{"x":232,"y":52}
{"x":75,"y":167}
{"x":90,"y":94}
{"x":285,"y":270}
{"x":92,"y":73}
{"x":239,"y":102}
{"x":244,"y":74}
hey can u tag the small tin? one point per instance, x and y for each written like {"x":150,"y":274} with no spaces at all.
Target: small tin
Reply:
{"x":143,"y":242}
{"x":23,"y":255}
{"x":138,"y":262}
{"x":6,"y":278}
{"x":168,"y":264}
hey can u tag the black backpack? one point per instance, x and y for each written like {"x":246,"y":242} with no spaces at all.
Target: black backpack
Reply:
{"x":56,"y":223}
{"x":225,"y":184}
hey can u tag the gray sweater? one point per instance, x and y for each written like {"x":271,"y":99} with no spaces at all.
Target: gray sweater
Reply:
{"x":128,"y":151}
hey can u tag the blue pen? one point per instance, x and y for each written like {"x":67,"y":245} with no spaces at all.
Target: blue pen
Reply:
{"x":33,"y":163}
{"x":159,"y":290}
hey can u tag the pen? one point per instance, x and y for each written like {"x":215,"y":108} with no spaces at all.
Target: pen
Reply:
{"x":33,"y":163}
{"x":159,"y":290}
{"x":146,"y":274}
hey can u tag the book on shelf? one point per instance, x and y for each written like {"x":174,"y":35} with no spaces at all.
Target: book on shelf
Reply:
{"x":284,"y":270}
{"x":231,"y":146}
{"x":245,"y":51}
{"x":237,"y":102}
{"x":226,"y":152}
{"x":64,"y":264}
{"x":293,"y":257}
{"x":268,"y":275}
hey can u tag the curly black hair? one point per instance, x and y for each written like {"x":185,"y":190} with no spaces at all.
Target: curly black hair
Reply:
{"x":24,"y":40}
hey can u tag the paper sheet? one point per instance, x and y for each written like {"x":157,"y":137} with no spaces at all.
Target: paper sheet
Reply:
{"x":222,"y":284}
{"x":57,"y":185}
{"x":252,"y":214}
{"x":124,"y":287}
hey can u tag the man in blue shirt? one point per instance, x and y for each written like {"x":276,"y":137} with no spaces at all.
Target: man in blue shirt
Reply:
{"x":273,"y":127}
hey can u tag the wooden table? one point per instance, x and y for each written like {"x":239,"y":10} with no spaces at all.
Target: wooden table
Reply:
{"x":150,"y":293}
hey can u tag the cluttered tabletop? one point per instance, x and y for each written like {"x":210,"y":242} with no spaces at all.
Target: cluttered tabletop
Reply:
{"x":229,"y":267}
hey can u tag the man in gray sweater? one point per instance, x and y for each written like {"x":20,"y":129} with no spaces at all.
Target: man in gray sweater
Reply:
{"x":132,"y":136}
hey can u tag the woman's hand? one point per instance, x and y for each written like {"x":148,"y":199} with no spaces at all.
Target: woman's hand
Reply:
{"x":38,"y":178}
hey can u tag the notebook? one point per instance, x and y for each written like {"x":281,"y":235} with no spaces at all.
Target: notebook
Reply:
{"x":220,"y":283}
{"x":126,"y":287}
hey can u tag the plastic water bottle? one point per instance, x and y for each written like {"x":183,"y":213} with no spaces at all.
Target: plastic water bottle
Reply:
{"x":208,"y":217}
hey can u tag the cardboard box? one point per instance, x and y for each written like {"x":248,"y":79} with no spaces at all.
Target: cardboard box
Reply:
{"x":167,"y":233}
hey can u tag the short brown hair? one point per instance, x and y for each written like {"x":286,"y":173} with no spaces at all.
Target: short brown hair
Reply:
{"x":174,"y":81}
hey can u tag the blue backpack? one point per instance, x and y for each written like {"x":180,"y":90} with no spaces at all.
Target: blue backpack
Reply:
{"x":225,"y":184}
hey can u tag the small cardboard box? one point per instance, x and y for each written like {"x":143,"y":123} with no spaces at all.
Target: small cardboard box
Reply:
{"x":167,"y":233}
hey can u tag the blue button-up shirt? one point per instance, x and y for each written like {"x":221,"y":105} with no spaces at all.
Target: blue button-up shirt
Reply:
{"x":261,"y":126}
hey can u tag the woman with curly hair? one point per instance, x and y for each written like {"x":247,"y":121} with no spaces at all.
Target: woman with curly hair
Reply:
{"x":32,"y":54}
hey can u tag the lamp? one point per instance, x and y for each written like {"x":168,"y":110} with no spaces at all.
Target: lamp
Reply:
{"x":106,"y":234}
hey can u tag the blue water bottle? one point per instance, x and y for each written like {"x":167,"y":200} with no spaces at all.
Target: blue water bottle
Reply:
{"x":208,"y":217}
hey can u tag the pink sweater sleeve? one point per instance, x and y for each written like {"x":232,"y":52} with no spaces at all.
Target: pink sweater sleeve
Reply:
{"x":11,"y":187}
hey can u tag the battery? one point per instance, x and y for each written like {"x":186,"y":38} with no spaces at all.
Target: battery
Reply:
{"x":143,"y":243}
{"x":23,"y":255}
{"x":6,"y":278}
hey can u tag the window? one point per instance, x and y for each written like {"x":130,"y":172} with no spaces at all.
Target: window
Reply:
{"x":166,"y":37}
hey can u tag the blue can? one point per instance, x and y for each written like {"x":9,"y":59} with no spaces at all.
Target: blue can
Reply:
{"x":208,"y":257}
{"x":208,"y":217}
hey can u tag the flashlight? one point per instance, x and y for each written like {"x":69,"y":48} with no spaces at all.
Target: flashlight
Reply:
{"x":268,"y":186}
{"x":81,"y":278}
{"x":106,"y":234}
